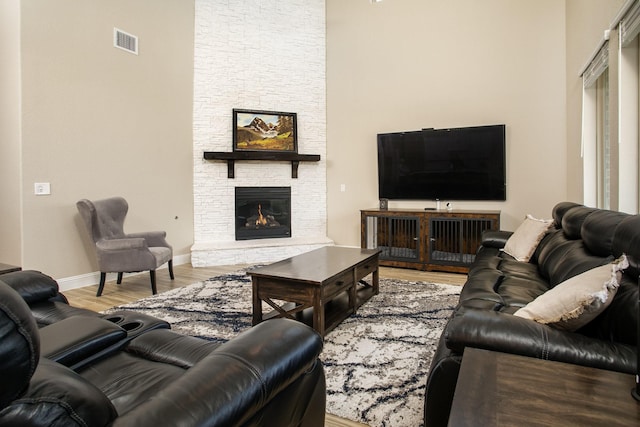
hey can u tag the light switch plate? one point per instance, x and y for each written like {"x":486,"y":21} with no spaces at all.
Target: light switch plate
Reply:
{"x":42,"y":188}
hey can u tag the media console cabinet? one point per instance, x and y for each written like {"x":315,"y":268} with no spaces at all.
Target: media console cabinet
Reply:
{"x":442,"y":240}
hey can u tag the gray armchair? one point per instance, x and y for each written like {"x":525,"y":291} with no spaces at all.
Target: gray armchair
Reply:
{"x":118,"y":252}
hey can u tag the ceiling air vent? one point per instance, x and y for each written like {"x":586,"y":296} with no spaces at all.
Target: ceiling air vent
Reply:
{"x":125,"y":41}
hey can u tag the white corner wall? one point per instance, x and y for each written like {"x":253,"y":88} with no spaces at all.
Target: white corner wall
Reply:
{"x":10,"y":122}
{"x":260,"y":55}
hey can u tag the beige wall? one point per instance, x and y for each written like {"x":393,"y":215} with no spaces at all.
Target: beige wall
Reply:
{"x":10,"y":246}
{"x":98,"y":121}
{"x":586,"y":22}
{"x":406,"y":65}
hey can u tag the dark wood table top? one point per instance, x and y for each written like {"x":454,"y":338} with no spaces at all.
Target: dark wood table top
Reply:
{"x":316,"y":266}
{"x":8,"y":268}
{"x":497,"y":389}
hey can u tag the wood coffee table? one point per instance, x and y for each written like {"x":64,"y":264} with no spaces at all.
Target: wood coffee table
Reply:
{"x":8,"y":268}
{"x":321,"y":287}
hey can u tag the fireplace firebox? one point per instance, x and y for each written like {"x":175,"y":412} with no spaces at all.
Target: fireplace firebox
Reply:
{"x":263,"y":212}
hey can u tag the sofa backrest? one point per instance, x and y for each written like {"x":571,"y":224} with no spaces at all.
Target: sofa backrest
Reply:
{"x":599,"y":229}
{"x":619,"y":322}
{"x":20,"y":349}
{"x":627,"y":240}
{"x":585,"y":238}
{"x":563,"y":253}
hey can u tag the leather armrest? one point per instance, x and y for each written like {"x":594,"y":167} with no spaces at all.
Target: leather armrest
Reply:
{"x":56,"y":395}
{"x":230,"y":385}
{"x":32,"y":285}
{"x":495,"y":238}
{"x":504,"y":332}
{"x":77,"y":338}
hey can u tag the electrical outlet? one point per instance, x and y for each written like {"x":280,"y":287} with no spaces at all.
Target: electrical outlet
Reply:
{"x":42,"y":188}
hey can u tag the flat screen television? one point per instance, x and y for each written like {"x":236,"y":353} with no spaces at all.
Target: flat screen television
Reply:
{"x":443,"y":164}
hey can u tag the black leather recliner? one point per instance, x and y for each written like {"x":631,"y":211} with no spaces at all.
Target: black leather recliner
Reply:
{"x":42,"y":294}
{"x":268,"y":375}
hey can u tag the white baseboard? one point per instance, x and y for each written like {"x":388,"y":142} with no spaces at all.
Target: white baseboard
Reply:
{"x":74,"y":282}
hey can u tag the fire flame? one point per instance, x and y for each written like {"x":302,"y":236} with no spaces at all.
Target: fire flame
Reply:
{"x":261,"y":219}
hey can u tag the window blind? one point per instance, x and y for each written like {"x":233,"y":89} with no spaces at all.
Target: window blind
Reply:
{"x":598,"y":64}
{"x":630,"y":24}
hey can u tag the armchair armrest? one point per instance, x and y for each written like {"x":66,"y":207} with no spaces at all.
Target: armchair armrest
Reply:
{"x":32,"y":285}
{"x":506,"y":333}
{"x":153,"y":238}
{"x":237,"y":380}
{"x":495,"y":238}
{"x":121,"y":244}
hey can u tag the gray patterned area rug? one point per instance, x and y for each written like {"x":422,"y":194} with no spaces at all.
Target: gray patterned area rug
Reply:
{"x":376,"y":361}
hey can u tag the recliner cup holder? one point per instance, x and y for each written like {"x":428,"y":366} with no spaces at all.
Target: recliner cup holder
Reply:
{"x":127,"y":325}
{"x":131,"y":326}
{"x":136,"y":323}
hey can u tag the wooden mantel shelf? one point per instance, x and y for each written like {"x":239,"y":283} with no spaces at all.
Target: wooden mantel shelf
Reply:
{"x":231,"y":157}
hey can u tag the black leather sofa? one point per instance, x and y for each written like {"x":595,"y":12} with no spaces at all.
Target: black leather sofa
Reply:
{"x":75,"y":367}
{"x":582,"y":238}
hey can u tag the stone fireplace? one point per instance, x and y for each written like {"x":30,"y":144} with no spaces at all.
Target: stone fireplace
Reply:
{"x":226,"y":77}
{"x":263,"y":212}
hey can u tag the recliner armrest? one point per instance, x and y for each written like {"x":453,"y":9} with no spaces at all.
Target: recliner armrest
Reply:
{"x":33,"y":286}
{"x":235,"y":382}
{"x":495,"y":238}
{"x":506,"y":333}
{"x":56,"y":395}
{"x":77,"y":338}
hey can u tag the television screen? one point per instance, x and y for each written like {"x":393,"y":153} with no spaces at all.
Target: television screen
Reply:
{"x":445,"y":164}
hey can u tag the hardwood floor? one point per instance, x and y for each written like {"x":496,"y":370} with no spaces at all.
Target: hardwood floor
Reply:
{"x":138,"y":286}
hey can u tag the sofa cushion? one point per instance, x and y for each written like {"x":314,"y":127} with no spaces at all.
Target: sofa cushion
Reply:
{"x":578,"y":300}
{"x":626,"y":240}
{"x":573,"y":219}
{"x":559,"y":210}
{"x":619,"y":322}
{"x":32,"y":285}
{"x":598,"y":231}
{"x":524,"y":241}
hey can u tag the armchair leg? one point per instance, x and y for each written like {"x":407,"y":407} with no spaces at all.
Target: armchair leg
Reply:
{"x":119,"y":278}
{"x":171,"y":269}
{"x":103,"y":277}
{"x":152,"y":273}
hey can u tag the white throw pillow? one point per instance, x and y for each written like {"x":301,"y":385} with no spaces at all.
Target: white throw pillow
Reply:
{"x":524,"y":241}
{"x":578,"y":300}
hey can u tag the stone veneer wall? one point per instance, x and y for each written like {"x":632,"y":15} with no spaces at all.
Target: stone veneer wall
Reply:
{"x":262,"y":55}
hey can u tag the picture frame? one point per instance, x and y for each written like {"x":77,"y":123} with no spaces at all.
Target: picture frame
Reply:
{"x":264,"y":131}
